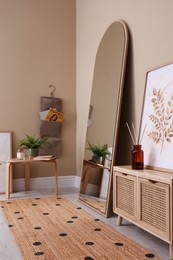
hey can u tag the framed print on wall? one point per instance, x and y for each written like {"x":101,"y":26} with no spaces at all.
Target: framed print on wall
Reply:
{"x":5,"y":154}
{"x":156,"y":127}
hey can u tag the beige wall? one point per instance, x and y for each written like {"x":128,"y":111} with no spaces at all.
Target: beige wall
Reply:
{"x":151,"y":44}
{"x":37,"y":48}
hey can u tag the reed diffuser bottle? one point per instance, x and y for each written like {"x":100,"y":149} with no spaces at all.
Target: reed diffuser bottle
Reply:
{"x":137,"y":157}
{"x":137,"y":153}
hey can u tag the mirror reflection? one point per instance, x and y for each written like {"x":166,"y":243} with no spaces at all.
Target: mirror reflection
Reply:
{"x":104,"y":113}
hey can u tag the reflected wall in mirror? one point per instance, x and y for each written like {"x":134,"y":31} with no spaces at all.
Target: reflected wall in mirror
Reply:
{"x":104,"y":114}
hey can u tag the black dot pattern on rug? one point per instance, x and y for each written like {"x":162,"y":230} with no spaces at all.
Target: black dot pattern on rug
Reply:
{"x":34,"y":204}
{"x":97,"y":219}
{"x":89,"y":243}
{"x":2,"y":207}
{"x":45,"y":213}
{"x":150,"y":255}
{"x":10,"y":225}
{"x":16,"y":212}
{"x":57,"y":204}
{"x":36,"y":243}
{"x":62,"y":234}
{"x":70,"y":221}
{"x":9,"y":202}
{"x":74,"y":217}
{"x":39,"y":253}
{"x":20,"y":218}
{"x":37,"y":228}
{"x":58,"y":198}
{"x":119,"y":244}
{"x":88,"y":258}
{"x":97,"y":229}
{"x":79,"y":208}
{"x":37,"y":198}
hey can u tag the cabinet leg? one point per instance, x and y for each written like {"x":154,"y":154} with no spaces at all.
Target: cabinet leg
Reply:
{"x":119,"y":220}
{"x":171,"y":251}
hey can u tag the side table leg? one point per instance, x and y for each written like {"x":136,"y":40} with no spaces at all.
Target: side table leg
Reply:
{"x":56,"y":177}
{"x":27,"y":176}
{"x":8,"y":180}
{"x":86,"y":180}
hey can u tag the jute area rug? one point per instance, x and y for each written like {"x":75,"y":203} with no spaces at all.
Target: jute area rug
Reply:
{"x":54,"y":228}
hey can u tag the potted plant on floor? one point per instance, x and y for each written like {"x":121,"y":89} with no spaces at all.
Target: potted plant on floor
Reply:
{"x":100,"y":152}
{"x":32,"y":143}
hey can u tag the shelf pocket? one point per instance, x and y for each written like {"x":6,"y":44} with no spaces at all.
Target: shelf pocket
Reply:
{"x":51,"y":129}
{"x":48,"y":128}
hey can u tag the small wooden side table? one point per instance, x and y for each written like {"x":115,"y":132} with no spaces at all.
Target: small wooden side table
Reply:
{"x":27,"y":163}
{"x":90,"y":164}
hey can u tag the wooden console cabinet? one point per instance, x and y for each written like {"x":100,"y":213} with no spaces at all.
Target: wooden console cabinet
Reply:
{"x":145,"y":197}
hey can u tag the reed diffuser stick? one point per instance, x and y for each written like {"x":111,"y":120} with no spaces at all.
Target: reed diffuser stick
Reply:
{"x":130,"y":133}
{"x":134,"y":131}
{"x":143,"y":134}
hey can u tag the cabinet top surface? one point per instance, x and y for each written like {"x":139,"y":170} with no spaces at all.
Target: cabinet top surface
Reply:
{"x":145,"y":173}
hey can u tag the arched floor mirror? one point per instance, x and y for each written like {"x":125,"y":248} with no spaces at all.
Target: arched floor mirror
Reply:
{"x":104,"y":114}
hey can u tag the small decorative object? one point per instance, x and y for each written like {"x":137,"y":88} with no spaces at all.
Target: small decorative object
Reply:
{"x":137,"y":152}
{"x":32,"y":144}
{"x":100,"y":153}
{"x":20,"y":153}
{"x":137,"y":157}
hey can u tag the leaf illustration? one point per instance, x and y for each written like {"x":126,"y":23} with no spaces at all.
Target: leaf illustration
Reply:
{"x":162,"y":118}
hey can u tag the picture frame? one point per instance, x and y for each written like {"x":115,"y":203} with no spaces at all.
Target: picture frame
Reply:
{"x":5,"y":154}
{"x":156,"y":126}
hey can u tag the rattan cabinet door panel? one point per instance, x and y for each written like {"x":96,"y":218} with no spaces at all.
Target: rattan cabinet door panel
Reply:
{"x":124,"y":197}
{"x":154,"y":205}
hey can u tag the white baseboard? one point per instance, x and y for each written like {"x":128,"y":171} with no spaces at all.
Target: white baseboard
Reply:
{"x":64,"y":182}
{"x":47,"y":183}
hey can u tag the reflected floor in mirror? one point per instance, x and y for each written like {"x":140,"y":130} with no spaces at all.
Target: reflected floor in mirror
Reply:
{"x":96,"y":203}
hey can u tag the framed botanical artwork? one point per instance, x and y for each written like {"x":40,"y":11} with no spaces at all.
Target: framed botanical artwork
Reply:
{"x":5,"y":154}
{"x":156,"y":128}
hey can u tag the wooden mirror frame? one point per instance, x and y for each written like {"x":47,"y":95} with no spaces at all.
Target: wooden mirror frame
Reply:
{"x":120,"y":27}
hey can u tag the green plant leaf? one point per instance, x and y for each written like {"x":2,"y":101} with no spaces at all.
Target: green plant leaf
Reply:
{"x":99,"y":150}
{"x":32,"y":142}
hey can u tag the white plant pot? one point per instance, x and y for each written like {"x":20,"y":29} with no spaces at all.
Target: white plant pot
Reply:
{"x":20,"y":155}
